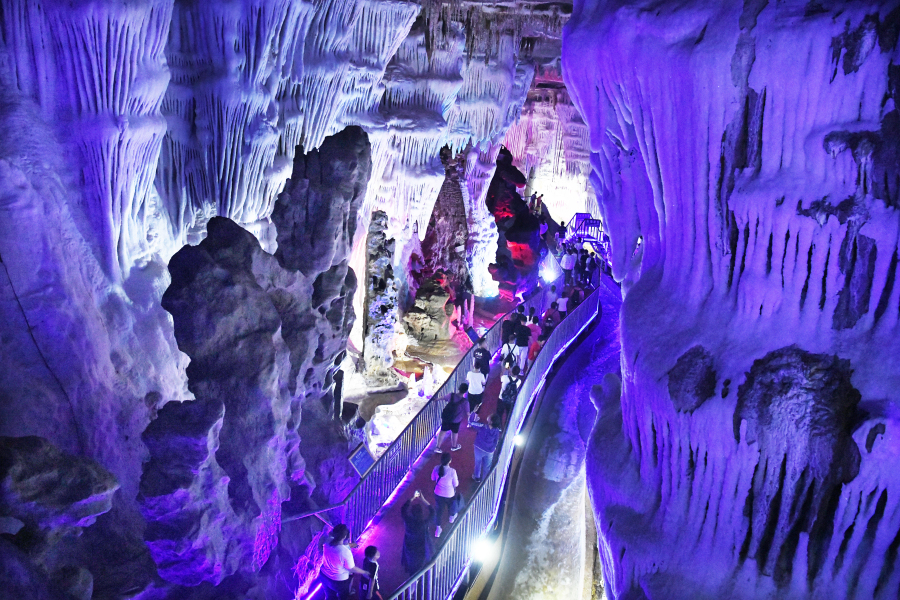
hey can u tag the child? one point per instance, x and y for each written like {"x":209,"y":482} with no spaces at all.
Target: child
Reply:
{"x":368,"y":584}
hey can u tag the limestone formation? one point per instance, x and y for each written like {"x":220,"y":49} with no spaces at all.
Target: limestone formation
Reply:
{"x":264,"y":334}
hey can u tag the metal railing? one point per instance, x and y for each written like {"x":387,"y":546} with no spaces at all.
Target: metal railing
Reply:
{"x":364,"y":501}
{"x":440,"y":578}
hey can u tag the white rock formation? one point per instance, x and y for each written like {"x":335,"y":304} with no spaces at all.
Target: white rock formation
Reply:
{"x":550,"y":143}
{"x":745,"y":158}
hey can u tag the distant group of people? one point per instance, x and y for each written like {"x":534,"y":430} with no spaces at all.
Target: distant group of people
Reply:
{"x":579,"y":266}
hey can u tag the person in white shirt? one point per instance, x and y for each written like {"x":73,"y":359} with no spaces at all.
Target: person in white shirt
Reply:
{"x":337,"y":564}
{"x":446,"y":482}
{"x":563,"y":305}
{"x":476,"y":380}
{"x":549,"y":298}
{"x":568,"y":263}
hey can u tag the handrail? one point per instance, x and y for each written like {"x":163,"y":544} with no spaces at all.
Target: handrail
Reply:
{"x":369,"y":495}
{"x":440,"y":578}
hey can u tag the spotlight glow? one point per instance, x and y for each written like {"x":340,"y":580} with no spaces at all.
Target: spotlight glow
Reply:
{"x":519,"y":440}
{"x":484,"y":550}
{"x":550,"y":270}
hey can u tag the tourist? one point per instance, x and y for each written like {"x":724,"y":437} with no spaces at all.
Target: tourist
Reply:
{"x":568,"y":264}
{"x":368,"y":586}
{"x":337,"y":564}
{"x":455,"y":412}
{"x":562,"y":229}
{"x":535,"y":349}
{"x":551,"y":318}
{"x":507,"y":328}
{"x":577,"y":270}
{"x":508,"y":352}
{"x":476,"y":381}
{"x":418,"y":547}
{"x":482,"y":357}
{"x":486,"y":439}
{"x":591,"y":268}
{"x":446,"y":482}
{"x":535,"y":327}
{"x":551,"y":297}
{"x":576,"y":297}
{"x":543,"y":229}
{"x":523,"y":339}
{"x":563,"y":305}
{"x":509,"y":390}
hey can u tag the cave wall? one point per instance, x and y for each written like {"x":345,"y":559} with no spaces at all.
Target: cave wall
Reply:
{"x":745,"y":163}
{"x":127,"y":127}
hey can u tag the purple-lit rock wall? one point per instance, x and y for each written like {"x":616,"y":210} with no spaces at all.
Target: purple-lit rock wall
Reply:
{"x":263,"y":333}
{"x":745,"y":161}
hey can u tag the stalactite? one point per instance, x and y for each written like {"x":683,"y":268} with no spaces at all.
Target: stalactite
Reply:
{"x":99,"y":73}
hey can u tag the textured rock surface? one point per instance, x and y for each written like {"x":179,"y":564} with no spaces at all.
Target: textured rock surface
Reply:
{"x":264,"y":333}
{"x":692,"y":381}
{"x":382,"y":304}
{"x":53,"y":496}
{"x":744,"y":218}
{"x":47,"y":489}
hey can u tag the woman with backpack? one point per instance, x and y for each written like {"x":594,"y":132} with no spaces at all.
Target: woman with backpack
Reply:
{"x":446,"y":481}
{"x":456,"y":411}
{"x":509,"y":390}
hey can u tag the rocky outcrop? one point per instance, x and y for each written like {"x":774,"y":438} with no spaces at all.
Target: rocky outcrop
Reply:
{"x":184,"y":485}
{"x":444,"y":246}
{"x":52,"y":496}
{"x":519,"y":245}
{"x":264,"y":334}
{"x":429,"y":318}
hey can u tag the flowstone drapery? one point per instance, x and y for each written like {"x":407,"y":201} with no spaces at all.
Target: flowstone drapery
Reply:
{"x":745,"y":161}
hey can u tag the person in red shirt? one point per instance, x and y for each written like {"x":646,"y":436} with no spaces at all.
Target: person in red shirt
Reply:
{"x":534,"y":349}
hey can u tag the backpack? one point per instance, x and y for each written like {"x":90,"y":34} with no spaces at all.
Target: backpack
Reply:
{"x":508,"y":395}
{"x":450,"y":410}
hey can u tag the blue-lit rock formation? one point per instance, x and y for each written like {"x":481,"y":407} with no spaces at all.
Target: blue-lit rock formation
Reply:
{"x":745,"y":162}
{"x":263,"y":333}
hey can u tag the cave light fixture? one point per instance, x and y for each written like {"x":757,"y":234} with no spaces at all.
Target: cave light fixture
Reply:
{"x":519,"y":440}
{"x":550,"y":270}
{"x":484,"y":550}
{"x":313,"y":593}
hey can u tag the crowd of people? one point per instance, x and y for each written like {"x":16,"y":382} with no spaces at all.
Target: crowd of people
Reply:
{"x":523,"y":334}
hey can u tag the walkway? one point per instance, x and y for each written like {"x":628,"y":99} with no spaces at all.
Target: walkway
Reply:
{"x":386,"y":529}
{"x":545,"y":538}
